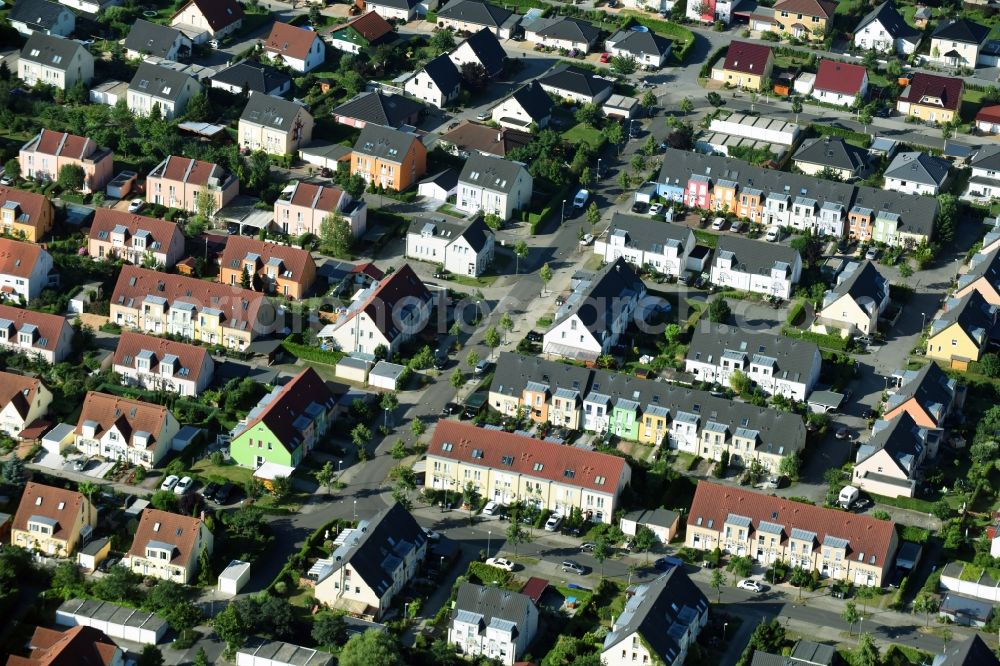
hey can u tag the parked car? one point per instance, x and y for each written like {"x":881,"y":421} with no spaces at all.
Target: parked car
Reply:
{"x":136,"y":205}
{"x":719,"y":223}
{"x":209,"y":490}
{"x":500,"y":563}
{"x":450,"y":408}
{"x":223,"y":494}
{"x":183,"y":485}
{"x":80,"y":464}
{"x":640,"y":207}
{"x":169,"y":482}
{"x":605,"y":57}
{"x":485,"y":115}
{"x":573,"y":567}
{"x":868,"y":413}
{"x":534,"y":336}
{"x":750,"y":585}
{"x":656,"y":209}
{"x":738,"y":227}
{"x":6,"y":180}
{"x":580,"y":200}
{"x":553,"y":523}
{"x":431,"y":534}
{"x":213,"y":43}
{"x":483,"y":367}
{"x":587,"y":239}
{"x":491,"y":508}
{"x":588,"y":546}
{"x":667,"y":563}
{"x":773,"y":235}
{"x":871,"y":254}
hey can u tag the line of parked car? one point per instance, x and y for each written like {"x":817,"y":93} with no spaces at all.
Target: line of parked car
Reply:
{"x":218,"y":493}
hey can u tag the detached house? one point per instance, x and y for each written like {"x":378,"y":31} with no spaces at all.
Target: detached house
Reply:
{"x":78,"y":645}
{"x":642,"y":242}
{"x":474,"y":15}
{"x":41,"y":16}
{"x":561,"y":32}
{"x":179,"y":182}
{"x":302,"y":207}
{"x":494,"y":186}
{"x":596,"y":314}
{"x":25,"y":270}
{"x":400,"y":10}
{"x":747,"y":65}
{"x":52,"y":521}
{"x":526,"y":107}
{"x":887,"y":464}
{"x":916,"y":173}
{"x":299,"y":49}
{"x":167,"y":88}
{"x":931,"y":98}
{"x":37,"y":334}
{"x":468,"y":138}
{"x":961,"y":332}
{"x":854,"y":305}
{"x":805,"y":19}
{"x":160,"y":364}
{"x":828,"y":154}
{"x":155,"y":39}
{"x":929,"y":397}
{"x":756,"y":266}
{"x":371,"y":563}
{"x":840,"y":83}
{"x":26,"y":215}
{"x":983,"y":277}
{"x":137,"y":239}
{"x":23,"y":400}
{"x":576,"y":84}
{"x":492,"y":622}
{"x":884,"y":30}
{"x":958,"y":43}
{"x":988,"y":119}
{"x":113,"y":428}
{"x":389,"y":158}
{"x":481,"y":48}
{"x":286,"y":425}
{"x":272,"y":268}
{"x":462,"y":250}
{"x":984,"y":182}
{"x":378,"y":108}
{"x":361,"y":33}
{"x":203,"y":20}
{"x":274,"y":125}
{"x":437,"y":83}
{"x":55,"y":61}
{"x":168,"y":545}
{"x":648,"y":48}
{"x":43,"y":156}
{"x":248,"y":76}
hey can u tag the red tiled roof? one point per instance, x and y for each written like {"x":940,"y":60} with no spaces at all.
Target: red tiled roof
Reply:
{"x":45,"y":501}
{"x":527,"y":453}
{"x":18,"y":258}
{"x":78,"y":646}
{"x":191,"y":357}
{"x":172,"y":528}
{"x":294,"y":260}
{"x":535,"y":588}
{"x":30,"y":204}
{"x":49,"y":326}
{"x":106,"y":219}
{"x":318,"y":197}
{"x":128,"y":416}
{"x":295,"y":397}
{"x":369,"y":269}
{"x":18,"y":389}
{"x":747,"y":58}
{"x":989,"y":114}
{"x":714,"y":501}
{"x":187,"y":170}
{"x":821,"y":8}
{"x":218,"y":13}
{"x":64,"y":144}
{"x":290,"y":40}
{"x":370,"y":25}
{"x":947,"y":89}
{"x":840,"y":77}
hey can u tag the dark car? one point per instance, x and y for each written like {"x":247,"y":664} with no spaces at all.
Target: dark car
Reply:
{"x":107,"y":563}
{"x":640,"y":207}
{"x":450,"y":408}
{"x":868,"y":413}
{"x":667,"y":563}
{"x":223,"y":494}
{"x":209,"y":490}
{"x":534,"y":336}
{"x":440,"y":361}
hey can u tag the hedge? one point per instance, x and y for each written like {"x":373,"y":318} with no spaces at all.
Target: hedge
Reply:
{"x":834,"y":342}
{"x":827,"y":130}
{"x":717,"y":54}
{"x":311,"y":353}
{"x":536,"y":219}
{"x":795,"y":312}
{"x":291,"y":571}
{"x":676,"y":32}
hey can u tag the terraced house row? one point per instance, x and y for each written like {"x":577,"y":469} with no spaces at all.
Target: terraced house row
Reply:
{"x":776,"y":198}
{"x":642,"y":410}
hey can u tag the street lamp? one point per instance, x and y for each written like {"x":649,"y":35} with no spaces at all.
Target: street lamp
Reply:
{"x":562,"y":220}
{"x":598,"y":167}
{"x":489,"y":541}
{"x":441,"y":567}
{"x":724,"y":625}
{"x":406,"y":610}
{"x":355,"y":510}
{"x":630,"y":124}
{"x":923,"y":322}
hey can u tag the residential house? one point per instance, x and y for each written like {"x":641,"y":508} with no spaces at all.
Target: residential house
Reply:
{"x":439,"y":186}
{"x":983,"y":276}
{"x":274,"y":125}
{"x":248,"y":76}
{"x":958,"y":42}
{"x":167,"y":88}
{"x":399,"y":10}
{"x":840,"y":83}
{"x":778,"y":365}
{"x":161,"y":364}
{"x":302,"y":207}
{"x":389,"y":158}
{"x":270,"y":267}
{"x":473,"y":15}
{"x":299,"y":49}
{"x":23,"y":400}
{"x":371,"y":563}
{"x":155,"y":39}
{"x":831,"y":155}
{"x":507,"y":467}
{"x":44,"y":155}
{"x":931,"y":98}
{"x":929,"y":397}
{"x":168,"y":546}
{"x":26,"y":215}
{"x":461,"y":249}
{"x":663,"y":523}
{"x":991,"y":241}
{"x":437,"y":82}
{"x":649,"y":49}
{"x":386,"y":314}
{"x":883,"y":29}
{"x":888,"y":463}
{"x":492,"y":622}
{"x":642,"y":242}
{"x":839,"y":545}
{"x":708,"y":11}
{"x":892,"y":218}
{"x":988,"y":119}
{"x":747,"y":65}
{"x":55,"y":61}
{"x":916,"y":173}
{"x":39,"y":335}
{"x":660,"y":623}
{"x":480,"y":48}
{"x":41,"y":16}
{"x":209,"y":312}
{"x":77,"y":645}
{"x":805,"y":19}
{"x":494,"y":186}
{"x":137,"y":239}
{"x":361,"y":33}
{"x":527,"y":107}
{"x":52,"y":521}
{"x":967,"y":652}
{"x":186,"y":183}
{"x":469,"y":138}
{"x":855,"y":304}
{"x":560,"y":32}
{"x":596,"y":314}
{"x":25,"y":270}
{"x":378,"y":108}
{"x":643,"y":410}
{"x":204,"y":20}
{"x":119,"y":429}
{"x":575,"y":84}
{"x":756,"y":266}
{"x":984,"y":181}
{"x":286,"y":425}
{"x":961,"y":332}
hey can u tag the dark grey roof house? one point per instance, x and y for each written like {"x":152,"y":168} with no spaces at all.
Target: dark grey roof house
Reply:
{"x":169,"y":88}
{"x":560,"y":30}
{"x":384,"y":142}
{"x":645,"y":46}
{"x":892,"y":24}
{"x":249,"y":76}
{"x":475,"y":13}
{"x":576,"y":84}
{"x":272,"y":112}
{"x":916,"y":172}
{"x":493,"y":173}
{"x":493,"y":622}
{"x":833,"y":153}
{"x":482,"y":47}
{"x":968,"y":652}
{"x":156,"y":39}
{"x":902,"y":439}
{"x":44,"y":16}
{"x":378,"y":108}
{"x":61,"y":54}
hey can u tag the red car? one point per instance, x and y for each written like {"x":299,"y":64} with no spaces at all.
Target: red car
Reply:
{"x":605,"y":57}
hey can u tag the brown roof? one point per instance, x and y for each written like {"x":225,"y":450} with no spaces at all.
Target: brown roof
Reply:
{"x":130,"y":344}
{"x":240,"y":307}
{"x":293,"y":401}
{"x":18,"y":389}
{"x":560,"y":463}
{"x":714,"y":502}
{"x":106,"y":219}
{"x":218,"y":13}
{"x":18,"y":258}
{"x":290,"y":40}
{"x":319,"y":197}
{"x":128,"y":416}
{"x":179,"y":531}
{"x":49,"y":326}
{"x":922,"y":85}
{"x":293,"y":260}
{"x":78,"y":646}
{"x":370,"y":25}
{"x":747,"y":58}
{"x":989,"y":114}
{"x":821,"y":8}
{"x":59,"y":504}
{"x":392,"y":293}
{"x":30,"y":205}
{"x":486,"y":139}
{"x":188,"y":170}
{"x":64,"y":144}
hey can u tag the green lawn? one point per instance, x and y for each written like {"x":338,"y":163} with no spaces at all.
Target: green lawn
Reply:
{"x":583,"y":133}
{"x":706,"y":238}
{"x":233,"y":473}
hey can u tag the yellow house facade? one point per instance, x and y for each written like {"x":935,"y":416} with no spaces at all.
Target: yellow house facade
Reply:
{"x":52,"y":521}
{"x":805,"y":19}
{"x":961,"y":332}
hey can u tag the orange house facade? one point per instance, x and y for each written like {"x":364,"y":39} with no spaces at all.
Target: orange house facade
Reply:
{"x":389,"y":158}
{"x":536,"y":398}
{"x":860,"y":223}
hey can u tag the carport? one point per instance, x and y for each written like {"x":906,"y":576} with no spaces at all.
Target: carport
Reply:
{"x":823,"y":402}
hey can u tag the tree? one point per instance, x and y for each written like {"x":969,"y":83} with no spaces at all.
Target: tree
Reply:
{"x":718,"y":311}
{"x":624,"y":64}
{"x":164,"y":500}
{"x":361,"y":435}
{"x":199,"y":108}
{"x":520,"y":252}
{"x":494,"y":222}
{"x":278,"y":616}
{"x":644,"y":540}
{"x":492,"y":338}
{"x":388,"y":403}
{"x":201,"y":659}
{"x":790,"y":466}
{"x":355,"y":185}
{"x":740,"y":566}
{"x":545,"y":274}
{"x":593,"y":214}
{"x":984,"y":452}
{"x":718,"y":580}
{"x":715,"y":99}
{"x":506,"y":324}
{"x":457,"y":379}
{"x":682,"y":138}
{"x":372,"y":648}
{"x":648,"y":100}
{"x":398,"y":450}
{"x":867,"y":653}
{"x":12,"y":169}
{"x":442,"y":41}
{"x":927,"y":604}
{"x":650,"y":147}
{"x":588,"y":114}
{"x":205,"y":202}
{"x":119,"y":584}
{"x":474,"y":76}
{"x":516,"y":534}
{"x":330,"y":629}
{"x":686,"y":106}
{"x":71,"y":177}
{"x":246,"y":522}
{"x":259,"y":171}
{"x":851,"y":616}
{"x":245,"y":280}
{"x":866,"y":593}
{"x":326,"y":476}
{"x":638,"y":164}
{"x":233,"y":627}
{"x":315,"y":15}
{"x":472,"y":360}
{"x":809,"y":247}
{"x":615,"y":134}
{"x":335,"y":237}
{"x":865,"y":118}
{"x":68,"y":581}
{"x":150,"y":656}
{"x":672,"y":333}
{"x":418,"y":427}
{"x":947,"y":219}
{"x":281,"y":487}
{"x":796,"y":107}
{"x":740,"y":382}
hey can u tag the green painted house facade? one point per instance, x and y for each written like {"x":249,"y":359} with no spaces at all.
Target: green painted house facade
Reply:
{"x":625,"y":419}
